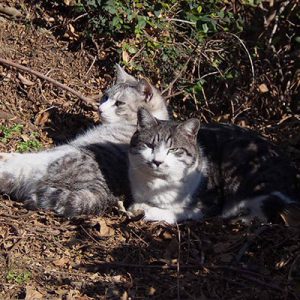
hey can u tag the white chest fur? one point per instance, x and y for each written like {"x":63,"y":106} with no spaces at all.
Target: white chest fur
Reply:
{"x":167,"y":198}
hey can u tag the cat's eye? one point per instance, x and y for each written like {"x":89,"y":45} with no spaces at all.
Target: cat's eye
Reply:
{"x":150,"y":145}
{"x":177,"y":151}
{"x":104,"y":99}
{"x":119,"y":103}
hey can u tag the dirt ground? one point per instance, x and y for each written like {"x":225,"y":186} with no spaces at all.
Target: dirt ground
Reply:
{"x":43,"y":256}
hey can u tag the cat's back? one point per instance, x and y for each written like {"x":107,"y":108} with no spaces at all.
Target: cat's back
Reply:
{"x":246,"y":159}
{"x":106,"y":133}
{"x":215,"y":138}
{"x":221,"y":133}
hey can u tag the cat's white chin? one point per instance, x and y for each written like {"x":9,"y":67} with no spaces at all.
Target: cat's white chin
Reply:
{"x":105,"y":119}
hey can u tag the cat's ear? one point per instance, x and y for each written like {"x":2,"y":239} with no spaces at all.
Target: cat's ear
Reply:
{"x":146,"y":89}
{"x":145,"y":119}
{"x":123,"y":76}
{"x":190,"y":127}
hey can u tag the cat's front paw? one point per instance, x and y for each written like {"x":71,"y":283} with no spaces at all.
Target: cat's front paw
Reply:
{"x":136,"y":212}
{"x":158,"y":214}
{"x":151,"y":213}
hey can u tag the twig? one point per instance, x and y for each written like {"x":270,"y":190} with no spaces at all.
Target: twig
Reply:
{"x":136,"y":54}
{"x":117,"y":265}
{"x":281,"y":9}
{"x":79,"y":17}
{"x":249,"y":241}
{"x":180,"y":72}
{"x":239,"y":113}
{"x":92,"y":64}
{"x":208,"y":74}
{"x":11,"y":11}
{"x":180,"y":21}
{"x":87,"y":100}
{"x":90,"y":236}
{"x":142,"y":240}
{"x":174,"y":94}
{"x":249,"y":276}
{"x":249,"y":56}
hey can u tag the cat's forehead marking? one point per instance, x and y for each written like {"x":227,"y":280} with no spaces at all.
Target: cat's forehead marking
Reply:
{"x":121,"y":88}
{"x":157,"y":137}
{"x":163,"y":134}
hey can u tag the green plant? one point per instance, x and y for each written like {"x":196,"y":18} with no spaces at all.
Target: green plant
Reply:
{"x":25,"y":143}
{"x":18,"y":277}
{"x":7,"y":133}
{"x":179,"y":43}
{"x":27,"y":146}
{"x":160,"y":37}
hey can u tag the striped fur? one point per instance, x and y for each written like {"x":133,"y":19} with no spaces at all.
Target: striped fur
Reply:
{"x":226,"y":171}
{"x":90,"y":173}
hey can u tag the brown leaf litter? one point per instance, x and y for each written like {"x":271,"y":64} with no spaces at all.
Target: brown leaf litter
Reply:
{"x":43,"y":256}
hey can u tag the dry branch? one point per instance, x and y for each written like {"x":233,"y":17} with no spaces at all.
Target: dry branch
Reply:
{"x":88,"y":100}
{"x":11,"y":11}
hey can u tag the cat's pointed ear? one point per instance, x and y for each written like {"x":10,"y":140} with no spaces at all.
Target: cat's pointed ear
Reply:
{"x":190,"y":127}
{"x":123,"y":76}
{"x":146,"y":89}
{"x":145,"y":119}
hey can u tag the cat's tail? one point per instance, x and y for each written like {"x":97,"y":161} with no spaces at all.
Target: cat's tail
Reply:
{"x":69,"y":203}
{"x":291,"y":214}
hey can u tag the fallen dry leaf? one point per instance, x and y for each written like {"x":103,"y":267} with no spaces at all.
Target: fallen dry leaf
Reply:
{"x":70,"y":2}
{"x":151,"y":291}
{"x":25,"y":81}
{"x":32,"y":293}
{"x":42,"y":118}
{"x":125,"y":56}
{"x":103,"y":229}
{"x":263,"y":88}
{"x":61,"y":261}
{"x":11,"y":11}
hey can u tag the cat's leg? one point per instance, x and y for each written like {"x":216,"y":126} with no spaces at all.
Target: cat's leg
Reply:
{"x":70,"y":203}
{"x":245,"y":210}
{"x":266,"y":208}
{"x":152,"y":213}
{"x":169,"y":215}
{"x":74,"y":185}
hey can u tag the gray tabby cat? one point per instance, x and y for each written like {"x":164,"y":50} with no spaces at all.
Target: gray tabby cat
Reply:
{"x":179,"y":171}
{"x":89,"y":173}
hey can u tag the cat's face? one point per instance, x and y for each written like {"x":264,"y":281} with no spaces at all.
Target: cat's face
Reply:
{"x":164,"y":148}
{"x":120,"y":103}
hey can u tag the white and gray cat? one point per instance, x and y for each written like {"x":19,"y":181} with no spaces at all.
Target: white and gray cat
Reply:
{"x":179,"y":171}
{"x":89,"y":173}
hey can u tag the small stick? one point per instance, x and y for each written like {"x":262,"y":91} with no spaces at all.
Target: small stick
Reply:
{"x":116,"y":265}
{"x":249,"y":56}
{"x":88,"y":100}
{"x":11,"y":11}
{"x":249,"y":242}
{"x":169,"y":89}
